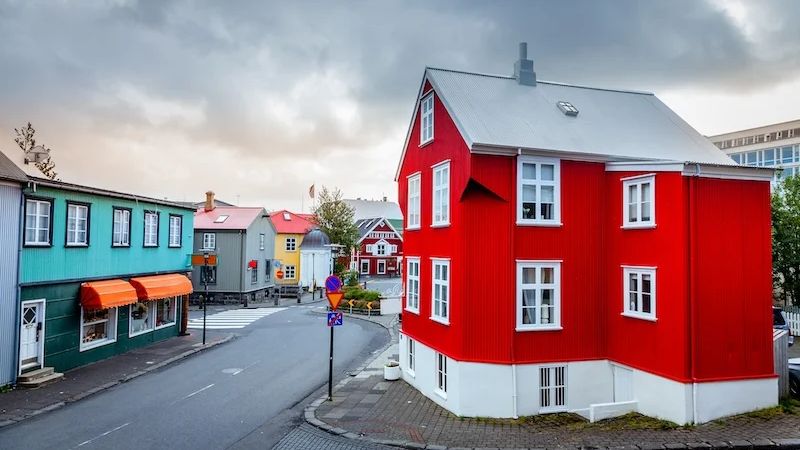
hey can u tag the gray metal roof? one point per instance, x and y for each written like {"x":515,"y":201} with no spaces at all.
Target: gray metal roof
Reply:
{"x":496,"y":111}
{"x":10,"y":171}
{"x":315,"y":239}
{"x":365,"y":209}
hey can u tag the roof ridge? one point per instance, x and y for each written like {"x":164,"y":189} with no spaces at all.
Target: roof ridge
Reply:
{"x":554,"y":83}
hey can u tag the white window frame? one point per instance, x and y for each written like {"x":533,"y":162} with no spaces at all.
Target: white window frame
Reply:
{"x":38,"y":213}
{"x":293,"y":272}
{"x":290,"y":244}
{"x":361,"y":267}
{"x":538,"y":183}
{"x":638,"y":181}
{"x":414,"y":220}
{"x":209,"y":241}
{"x":175,"y":231}
{"x":639,"y":271}
{"x":151,"y":309}
{"x":378,"y":270}
{"x":121,"y":237}
{"x":174,"y":302}
{"x":538,"y":286}
{"x":552,"y":388}
{"x":111,"y":330}
{"x":71,"y":238}
{"x":380,"y":249}
{"x":149,"y":231}
{"x":412,"y":284}
{"x":411,"y":352}
{"x":262,"y":240}
{"x":438,"y":301}
{"x":441,"y":374}
{"x":440,"y":193}
{"x":426,"y":119}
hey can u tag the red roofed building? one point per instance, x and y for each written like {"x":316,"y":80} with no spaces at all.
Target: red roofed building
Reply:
{"x":243,"y":239}
{"x":577,"y":249}
{"x":290,"y":229}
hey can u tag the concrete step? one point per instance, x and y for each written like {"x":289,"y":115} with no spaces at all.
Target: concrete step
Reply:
{"x":34,"y":374}
{"x":55,"y":376}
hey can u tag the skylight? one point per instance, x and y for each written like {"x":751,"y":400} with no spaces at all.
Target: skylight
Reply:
{"x":287,"y":216}
{"x":221,"y":219}
{"x":567,"y":108}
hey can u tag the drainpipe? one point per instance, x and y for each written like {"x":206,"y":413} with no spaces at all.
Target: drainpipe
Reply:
{"x":691,"y":288}
{"x":18,"y":308}
{"x":241,"y":269}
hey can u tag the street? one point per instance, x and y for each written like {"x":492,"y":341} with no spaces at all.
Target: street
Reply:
{"x":245,"y":394}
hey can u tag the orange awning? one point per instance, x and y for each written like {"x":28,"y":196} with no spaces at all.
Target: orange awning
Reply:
{"x":107,"y":294}
{"x":162,"y":286}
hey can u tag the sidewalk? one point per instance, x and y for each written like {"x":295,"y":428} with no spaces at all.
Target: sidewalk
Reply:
{"x":367,"y":408}
{"x":81,"y":382}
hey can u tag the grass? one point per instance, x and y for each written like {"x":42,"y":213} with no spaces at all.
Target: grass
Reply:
{"x":574,"y":422}
{"x":6,"y":388}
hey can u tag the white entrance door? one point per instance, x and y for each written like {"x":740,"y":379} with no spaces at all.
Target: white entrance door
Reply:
{"x":623,"y":384}
{"x":381,"y":267}
{"x":31,"y":341}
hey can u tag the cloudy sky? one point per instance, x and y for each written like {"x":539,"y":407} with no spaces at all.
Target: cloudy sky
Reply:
{"x":258,"y":100}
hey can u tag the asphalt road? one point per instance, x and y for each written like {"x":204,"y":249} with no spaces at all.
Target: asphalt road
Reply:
{"x":248,"y":393}
{"x":386,"y":286}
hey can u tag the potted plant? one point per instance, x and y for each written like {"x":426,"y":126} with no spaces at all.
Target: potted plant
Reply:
{"x":391,"y":371}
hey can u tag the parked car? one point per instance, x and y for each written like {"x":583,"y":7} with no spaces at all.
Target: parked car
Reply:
{"x":794,"y":377}
{"x":779,"y":323}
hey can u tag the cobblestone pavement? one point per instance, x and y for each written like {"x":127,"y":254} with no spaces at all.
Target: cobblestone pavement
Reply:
{"x":306,"y":437}
{"x":393,"y":411}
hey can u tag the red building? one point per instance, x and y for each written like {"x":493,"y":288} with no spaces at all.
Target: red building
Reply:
{"x":380,"y":248}
{"x":577,"y":249}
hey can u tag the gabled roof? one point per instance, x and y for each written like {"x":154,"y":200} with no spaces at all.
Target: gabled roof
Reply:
{"x":366,"y":209}
{"x":365,"y":227}
{"x":291,"y":223}
{"x":10,"y":171}
{"x":238,"y":218}
{"x":496,"y":114}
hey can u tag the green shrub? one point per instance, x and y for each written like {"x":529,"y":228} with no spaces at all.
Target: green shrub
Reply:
{"x":351,"y":278}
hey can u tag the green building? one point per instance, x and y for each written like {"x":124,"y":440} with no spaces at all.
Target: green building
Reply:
{"x":101,"y":273}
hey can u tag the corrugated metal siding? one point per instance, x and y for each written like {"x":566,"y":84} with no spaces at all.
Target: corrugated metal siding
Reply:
{"x":430,"y":242}
{"x":99,"y":259}
{"x":229,"y":261}
{"x":253,"y":251}
{"x":9,"y":246}
{"x":732,"y":293}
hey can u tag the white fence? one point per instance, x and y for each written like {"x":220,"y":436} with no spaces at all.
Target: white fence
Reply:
{"x":793,"y":319}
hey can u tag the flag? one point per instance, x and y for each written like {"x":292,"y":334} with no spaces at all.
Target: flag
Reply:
{"x":311,"y":191}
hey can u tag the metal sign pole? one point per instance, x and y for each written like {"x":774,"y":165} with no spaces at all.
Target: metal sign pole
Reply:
{"x":330,"y":370}
{"x":205,"y":297}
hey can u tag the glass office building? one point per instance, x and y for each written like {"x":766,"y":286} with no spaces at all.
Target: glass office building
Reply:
{"x":775,"y":145}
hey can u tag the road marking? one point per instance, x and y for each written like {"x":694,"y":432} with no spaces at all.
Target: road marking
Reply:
{"x":245,"y":368}
{"x":233,"y":319}
{"x":104,"y":434}
{"x":199,"y":391}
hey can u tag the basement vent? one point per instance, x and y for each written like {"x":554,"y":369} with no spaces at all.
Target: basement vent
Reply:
{"x":567,"y":108}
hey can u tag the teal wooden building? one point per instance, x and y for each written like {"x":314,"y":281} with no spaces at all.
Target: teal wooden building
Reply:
{"x":101,"y":272}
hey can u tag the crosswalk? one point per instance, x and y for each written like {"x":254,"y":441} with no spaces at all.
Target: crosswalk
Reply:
{"x":234,"y":318}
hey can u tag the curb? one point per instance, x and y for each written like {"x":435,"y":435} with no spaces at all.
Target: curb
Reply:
{"x":103,"y":387}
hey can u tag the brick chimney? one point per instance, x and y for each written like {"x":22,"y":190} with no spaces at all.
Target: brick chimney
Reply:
{"x":209,"y":201}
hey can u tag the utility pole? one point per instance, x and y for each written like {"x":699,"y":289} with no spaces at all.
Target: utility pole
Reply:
{"x":205,"y":296}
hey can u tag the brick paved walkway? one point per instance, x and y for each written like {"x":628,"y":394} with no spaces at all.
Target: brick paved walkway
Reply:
{"x":395,"y":411}
{"x":307,"y":437}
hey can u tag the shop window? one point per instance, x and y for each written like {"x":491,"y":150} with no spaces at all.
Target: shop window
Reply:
{"x":141,"y":318}
{"x":165,"y":312}
{"x":98,"y":327}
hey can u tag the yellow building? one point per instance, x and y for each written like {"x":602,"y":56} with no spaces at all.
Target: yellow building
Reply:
{"x":290,"y":228}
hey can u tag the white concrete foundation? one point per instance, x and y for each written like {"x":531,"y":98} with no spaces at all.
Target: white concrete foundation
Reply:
{"x":503,"y":391}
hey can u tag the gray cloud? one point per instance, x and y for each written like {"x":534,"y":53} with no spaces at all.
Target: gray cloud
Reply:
{"x":262,"y":99}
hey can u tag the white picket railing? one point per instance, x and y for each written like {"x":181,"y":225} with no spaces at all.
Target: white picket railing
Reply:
{"x":793,"y":319}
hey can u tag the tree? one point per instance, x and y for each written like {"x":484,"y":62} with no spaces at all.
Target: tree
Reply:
{"x":26,"y":142}
{"x":335,"y":218}
{"x":786,"y":239}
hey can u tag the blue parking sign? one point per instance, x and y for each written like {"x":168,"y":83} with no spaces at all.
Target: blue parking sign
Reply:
{"x":334,"y":319}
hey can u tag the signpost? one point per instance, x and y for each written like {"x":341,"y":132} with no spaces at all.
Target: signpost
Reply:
{"x":206,"y":260}
{"x":333,"y":290}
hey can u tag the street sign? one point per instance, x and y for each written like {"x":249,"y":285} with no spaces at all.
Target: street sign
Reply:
{"x":334,"y":298}
{"x":279,"y":274}
{"x":335,"y":319}
{"x":199,"y":259}
{"x":333,"y":284}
